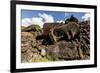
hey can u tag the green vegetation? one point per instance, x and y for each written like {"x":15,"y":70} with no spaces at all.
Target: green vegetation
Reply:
{"x":52,"y":58}
{"x":40,"y":60}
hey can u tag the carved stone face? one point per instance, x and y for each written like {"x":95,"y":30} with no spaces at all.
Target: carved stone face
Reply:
{"x":66,"y":31}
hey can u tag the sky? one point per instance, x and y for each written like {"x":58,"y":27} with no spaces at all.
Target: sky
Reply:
{"x":40,"y":17}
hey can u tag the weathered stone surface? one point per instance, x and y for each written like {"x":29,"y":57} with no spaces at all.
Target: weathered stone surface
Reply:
{"x":64,"y":50}
{"x":32,"y":28}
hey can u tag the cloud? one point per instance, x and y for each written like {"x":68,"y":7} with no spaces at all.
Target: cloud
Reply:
{"x":46,"y":17}
{"x":61,"y":21}
{"x":26,"y":21}
{"x":86,"y":17}
{"x":40,"y":20}
{"x":33,"y":20}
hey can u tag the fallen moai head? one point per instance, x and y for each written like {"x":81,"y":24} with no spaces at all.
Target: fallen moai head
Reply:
{"x":61,"y":31}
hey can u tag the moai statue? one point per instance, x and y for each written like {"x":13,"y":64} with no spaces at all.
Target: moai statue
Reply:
{"x":66,"y":31}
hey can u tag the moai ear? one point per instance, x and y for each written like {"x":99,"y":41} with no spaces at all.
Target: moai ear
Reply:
{"x":68,"y":35}
{"x":73,"y":33}
{"x":52,"y":36}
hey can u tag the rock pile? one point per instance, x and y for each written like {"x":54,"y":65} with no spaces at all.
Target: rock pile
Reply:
{"x":85,"y":38}
{"x":30,"y":47}
{"x":33,"y":49}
